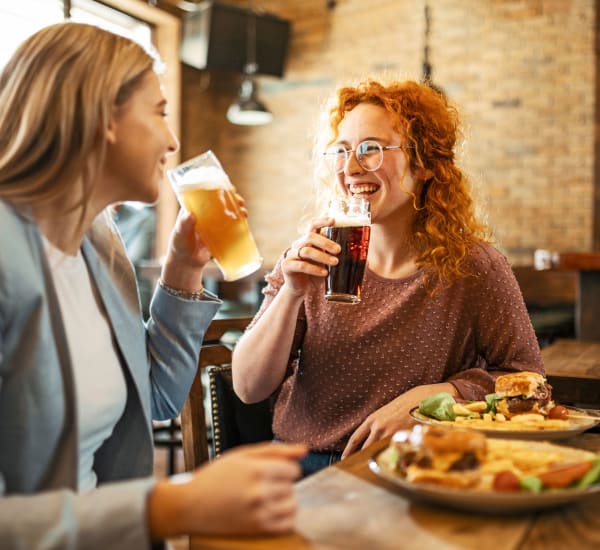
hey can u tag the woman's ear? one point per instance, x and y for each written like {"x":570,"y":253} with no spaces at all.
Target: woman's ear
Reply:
{"x":110,"y":132}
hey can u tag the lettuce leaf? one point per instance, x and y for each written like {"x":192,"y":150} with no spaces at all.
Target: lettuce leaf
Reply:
{"x":531,"y":483}
{"x":591,"y":476}
{"x":439,"y":406}
{"x":491,"y":399}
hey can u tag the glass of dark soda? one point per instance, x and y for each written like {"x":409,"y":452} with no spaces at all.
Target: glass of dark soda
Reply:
{"x":351,"y":230}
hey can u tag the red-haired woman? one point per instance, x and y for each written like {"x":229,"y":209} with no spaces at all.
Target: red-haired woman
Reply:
{"x":440,"y":308}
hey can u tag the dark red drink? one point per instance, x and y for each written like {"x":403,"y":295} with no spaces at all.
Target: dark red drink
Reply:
{"x":345,"y":279}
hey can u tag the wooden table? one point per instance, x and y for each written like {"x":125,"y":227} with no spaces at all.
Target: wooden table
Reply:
{"x":573,"y":371}
{"x":348,"y":507}
{"x":587,"y":303}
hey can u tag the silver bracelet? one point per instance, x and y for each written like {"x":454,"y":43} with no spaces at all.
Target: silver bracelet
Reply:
{"x":197,"y":296}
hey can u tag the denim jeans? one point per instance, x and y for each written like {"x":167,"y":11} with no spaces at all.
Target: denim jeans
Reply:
{"x":315,"y":461}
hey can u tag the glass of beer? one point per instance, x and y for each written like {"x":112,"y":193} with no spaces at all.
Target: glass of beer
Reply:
{"x":203,"y":188}
{"x":351,"y":230}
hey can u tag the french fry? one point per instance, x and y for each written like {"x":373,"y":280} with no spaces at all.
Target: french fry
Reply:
{"x":460,"y":410}
{"x":476,"y":406}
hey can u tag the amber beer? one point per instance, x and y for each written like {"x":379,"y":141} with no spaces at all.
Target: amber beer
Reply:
{"x":207,"y":192}
{"x":351,"y":230}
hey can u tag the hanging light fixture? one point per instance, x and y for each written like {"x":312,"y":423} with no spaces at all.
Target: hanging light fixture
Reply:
{"x":248,"y":110}
{"x":427,"y":66}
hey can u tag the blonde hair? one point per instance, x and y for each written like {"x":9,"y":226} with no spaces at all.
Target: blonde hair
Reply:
{"x":57,"y":93}
{"x":445,"y":225}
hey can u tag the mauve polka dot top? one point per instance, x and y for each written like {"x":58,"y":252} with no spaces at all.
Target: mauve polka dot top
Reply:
{"x":347,"y":361}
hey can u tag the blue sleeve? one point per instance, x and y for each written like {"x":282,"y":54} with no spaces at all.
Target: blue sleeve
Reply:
{"x":175,"y":332}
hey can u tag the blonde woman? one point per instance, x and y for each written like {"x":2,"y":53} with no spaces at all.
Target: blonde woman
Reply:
{"x":440,"y":308}
{"x":83,"y":125}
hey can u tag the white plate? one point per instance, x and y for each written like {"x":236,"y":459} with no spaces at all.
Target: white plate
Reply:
{"x":506,"y":430}
{"x":488,"y":502}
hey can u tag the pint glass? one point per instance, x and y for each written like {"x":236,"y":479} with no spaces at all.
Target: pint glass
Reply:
{"x":203,"y":188}
{"x":351,"y":230}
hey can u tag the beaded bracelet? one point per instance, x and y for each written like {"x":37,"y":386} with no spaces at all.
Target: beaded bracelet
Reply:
{"x":197,"y":296}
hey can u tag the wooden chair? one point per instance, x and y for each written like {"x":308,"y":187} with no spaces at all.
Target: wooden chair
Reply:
{"x":167,"y":435}
{"x":216,"y":351}
{"x":233,"y":421}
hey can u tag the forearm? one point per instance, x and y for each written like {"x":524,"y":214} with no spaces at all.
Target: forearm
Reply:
{"x":261,"y":356}
{"x":175,"y":331}
{"x":164,"y":511}
{"x":180,"y":276}
{"x":111,"y":516}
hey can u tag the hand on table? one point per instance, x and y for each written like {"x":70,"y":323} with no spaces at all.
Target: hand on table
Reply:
{"x":248,"y":490}
{"x":392,"y":417}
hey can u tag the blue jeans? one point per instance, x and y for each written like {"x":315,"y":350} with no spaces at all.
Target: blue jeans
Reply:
{"x":315,"y":461}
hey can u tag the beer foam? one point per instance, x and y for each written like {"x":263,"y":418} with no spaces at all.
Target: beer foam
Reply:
{"x":204,"y":177}
{"x":342,"y":220}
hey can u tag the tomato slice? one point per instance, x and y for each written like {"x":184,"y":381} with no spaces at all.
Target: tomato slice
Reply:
{"x":506,"y":481}
{"x":558,"y":412}
{"x":562,"y":475}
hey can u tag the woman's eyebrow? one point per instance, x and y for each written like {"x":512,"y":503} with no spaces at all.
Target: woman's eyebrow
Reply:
{"x":368,"y":138}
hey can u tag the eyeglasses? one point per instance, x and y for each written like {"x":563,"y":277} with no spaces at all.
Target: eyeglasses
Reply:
{"x":369,"y":155}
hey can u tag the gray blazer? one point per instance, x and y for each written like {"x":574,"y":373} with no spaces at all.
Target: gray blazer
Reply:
{"x":39,"y":507}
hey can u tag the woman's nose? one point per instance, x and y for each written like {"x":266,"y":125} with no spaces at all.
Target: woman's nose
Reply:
{"x":352,"y":165}
{"x":173,"y":143}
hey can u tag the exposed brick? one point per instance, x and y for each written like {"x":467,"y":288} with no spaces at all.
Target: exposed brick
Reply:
{"x":522,"y":72}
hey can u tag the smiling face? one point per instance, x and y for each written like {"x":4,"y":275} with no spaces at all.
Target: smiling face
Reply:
{"x":389,"y":188}
{"x":139,"y":141}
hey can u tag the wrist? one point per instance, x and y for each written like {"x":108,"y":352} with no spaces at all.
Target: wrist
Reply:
{"x":163,"y":511}
{"x":180,"y":276}
{"x":197,"y":295}
{"x":295,"y":294}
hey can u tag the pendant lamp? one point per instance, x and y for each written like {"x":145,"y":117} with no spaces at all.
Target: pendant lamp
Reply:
{"x":248,"y":109}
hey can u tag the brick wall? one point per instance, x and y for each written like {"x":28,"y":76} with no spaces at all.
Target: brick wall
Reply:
{"x":522,"y":73}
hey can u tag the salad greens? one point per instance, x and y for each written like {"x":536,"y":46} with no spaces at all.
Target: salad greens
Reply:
{"x":439,"y":406}
{"x":491,"y":399}
{"x":592,"y":476}
{"x":532,"y":484}
{"x":443,"y":406}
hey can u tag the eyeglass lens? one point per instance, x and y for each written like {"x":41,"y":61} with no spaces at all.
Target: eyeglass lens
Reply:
{"x":369,"y":155}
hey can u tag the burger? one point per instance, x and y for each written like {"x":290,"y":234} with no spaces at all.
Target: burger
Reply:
{"x":523,"y":393}
{"x":451,"y":457}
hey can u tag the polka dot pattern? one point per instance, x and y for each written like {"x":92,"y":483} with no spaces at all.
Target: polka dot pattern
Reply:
{"x":349,"y":360}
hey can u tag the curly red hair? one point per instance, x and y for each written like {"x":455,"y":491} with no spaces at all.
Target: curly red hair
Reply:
{"x":445,"y":226}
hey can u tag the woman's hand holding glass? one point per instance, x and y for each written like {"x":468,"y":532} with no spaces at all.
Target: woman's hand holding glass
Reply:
{"x":308,"y":258}
{"x":187,"y":254}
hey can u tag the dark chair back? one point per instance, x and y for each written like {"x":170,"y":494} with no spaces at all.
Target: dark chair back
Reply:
{"x":233,"y":421}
